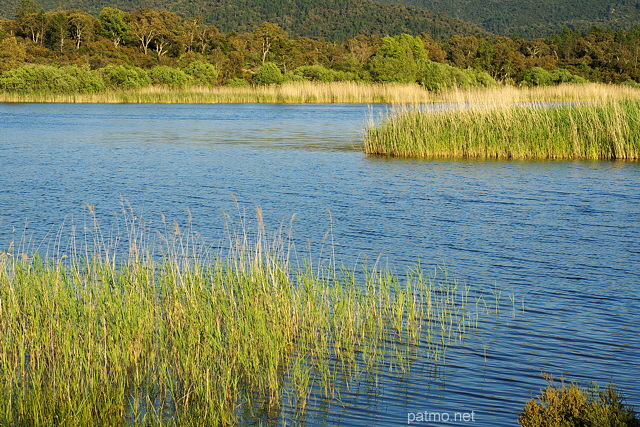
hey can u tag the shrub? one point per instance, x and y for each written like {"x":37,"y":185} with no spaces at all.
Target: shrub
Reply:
{"x":236,"y":82}
{"x":170,"y":77}
{"x":536,"y":76}
{"x":398,"y":59}
{"x":316,"y":73}
{"x":562,"y":75}
{"x":125,"y":77}
{"x":559,"y":405}
{"x":435,"y":76}
{"x":88,"y":81}
{"x":631,"y":83}
{"x":50,"y":79}
{"x":202,"y":73}
{"x":268,"y":74}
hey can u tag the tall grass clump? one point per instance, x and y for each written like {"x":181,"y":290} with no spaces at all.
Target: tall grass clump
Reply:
{"x":572,"y":405}
{"x":587,"y":131}
{"x":137,"y":331}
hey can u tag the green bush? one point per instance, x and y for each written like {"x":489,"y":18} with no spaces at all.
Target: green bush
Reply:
{"x":236,"y":82}
{"x":291,"y":76}
{"x":203,"y":74}
{"x":631,"y":83}
{"x":89,"y":81}
{"x":268,"y":74}
{"x":170,"y":77}
{"x":398,"y":59}
{"x":537,"y":76}
{"x":50,"y":79}
{"x":435,"y":76}
{"x":125,"y":77}
{"x":559,"y":405}
{"x":562,"y":75}
{"x":316,"y":73}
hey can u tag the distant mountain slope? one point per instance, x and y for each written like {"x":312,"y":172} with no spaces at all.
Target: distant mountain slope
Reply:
{"x":331,"y":19}
{"x":536,"y":18}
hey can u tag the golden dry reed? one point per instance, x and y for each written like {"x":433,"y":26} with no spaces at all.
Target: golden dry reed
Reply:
{"x":341,"y":92}
{"x":287,"y":93}
{"x":599,"y":130}
{"x":165,"y":332}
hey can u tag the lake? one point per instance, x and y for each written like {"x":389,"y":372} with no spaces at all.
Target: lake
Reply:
{"x":560,"y":238}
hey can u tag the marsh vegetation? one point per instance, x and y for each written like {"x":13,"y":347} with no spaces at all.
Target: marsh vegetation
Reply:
{"x":598,"y":130}
{"x":130,"y":331}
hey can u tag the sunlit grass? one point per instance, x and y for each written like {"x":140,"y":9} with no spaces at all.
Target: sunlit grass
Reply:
{"x":135,"y":331}
{"x":288,"y":93}
{"x":342,"y":92}
{"x":608,"y":130}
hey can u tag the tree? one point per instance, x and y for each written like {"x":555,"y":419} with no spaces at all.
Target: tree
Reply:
{"x":268,"y":74}
{"x":461,"y":51}
{"x":265,"y":36}
{"x":33,"y":25}
{"x":144,"y":26}
{"x":398,"y":59}
{"x":82,"y":26}
{"x":12,"y":54}
{"x":207,"y":35}
{"x":167,"y":30}
{"x":58,"y":29}
{"x":114,"y":26}
{"x":203,"y":74}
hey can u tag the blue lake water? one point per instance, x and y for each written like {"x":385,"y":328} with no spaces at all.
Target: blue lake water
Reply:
{"x":563,"y":237}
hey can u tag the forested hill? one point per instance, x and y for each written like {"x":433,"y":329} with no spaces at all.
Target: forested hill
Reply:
{"x":329,"y":19}
{"x":537,"y":18}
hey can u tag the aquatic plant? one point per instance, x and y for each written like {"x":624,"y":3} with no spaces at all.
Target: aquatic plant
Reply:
{"x":133,"y":331}
{"x":562,"y":405}
{"x":587,"y":131}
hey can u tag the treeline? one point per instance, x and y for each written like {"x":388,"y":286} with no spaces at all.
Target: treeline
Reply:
{"x":536,"y":18}
{"x":127,"y":50}
{"x":329,"y":19}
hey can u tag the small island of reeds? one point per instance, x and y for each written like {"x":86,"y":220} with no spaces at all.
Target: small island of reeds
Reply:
{"x":609,"y":130}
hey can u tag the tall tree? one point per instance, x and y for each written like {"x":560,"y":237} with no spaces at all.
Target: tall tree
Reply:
{"x":82,"y":26}
{"x":58,"y":29}
{"x":145,"y":25}
{"x":265,"y":36}
{"x":113,"y":24}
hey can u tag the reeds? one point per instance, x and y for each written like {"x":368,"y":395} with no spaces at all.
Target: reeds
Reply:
{"x":171,"y":334}
{"x":288,"y":93}
{"x":341,"y":92}
{"x":609,"y":130}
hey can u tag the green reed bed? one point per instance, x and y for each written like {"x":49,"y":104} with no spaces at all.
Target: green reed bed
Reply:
{"x":583,"y":131}
{"x":172,"y":335}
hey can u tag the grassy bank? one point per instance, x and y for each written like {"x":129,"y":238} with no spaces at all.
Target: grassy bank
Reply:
{"x":341,"y":92}
{"x":288,"y":93}
{"x":175,"y":335}
{"x":587,"y":131}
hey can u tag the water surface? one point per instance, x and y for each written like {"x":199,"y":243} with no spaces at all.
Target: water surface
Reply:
{"x":563,"y":237}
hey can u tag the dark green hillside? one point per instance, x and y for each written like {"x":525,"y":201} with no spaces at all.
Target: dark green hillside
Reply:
{"x":536,"y":18}
{"x":330,"y":19}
